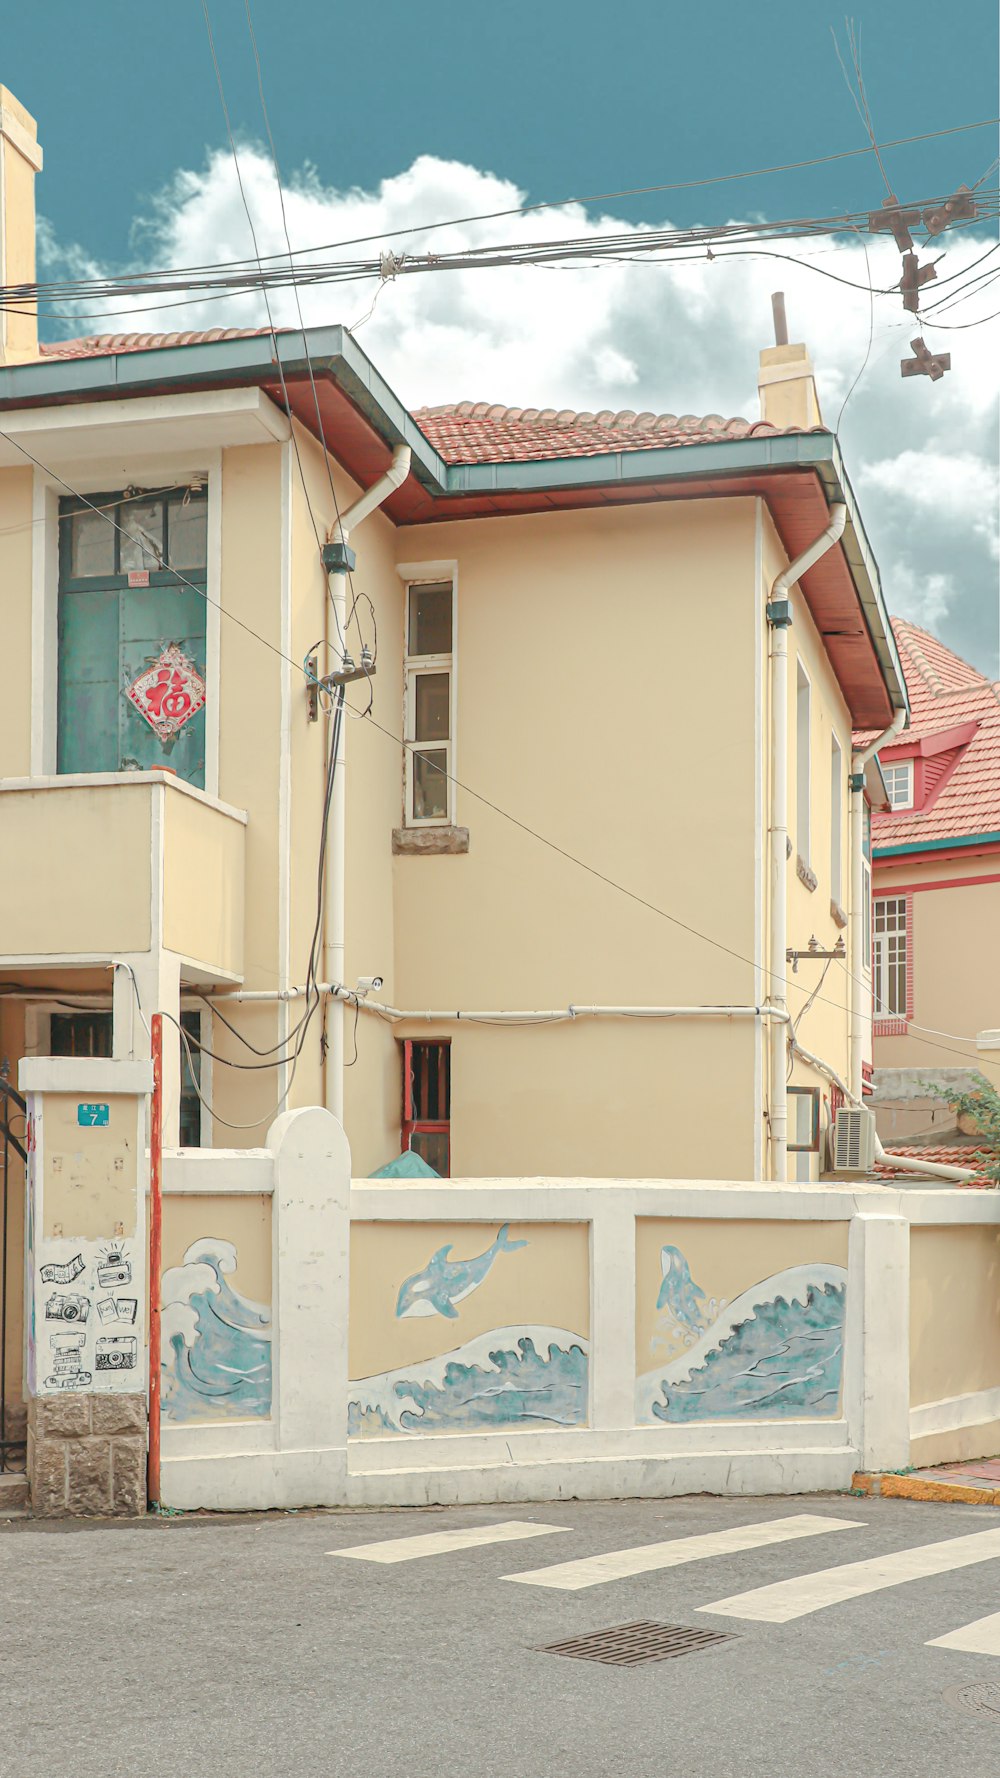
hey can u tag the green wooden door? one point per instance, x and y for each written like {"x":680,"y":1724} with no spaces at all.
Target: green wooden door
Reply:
{"x":111,"y":632}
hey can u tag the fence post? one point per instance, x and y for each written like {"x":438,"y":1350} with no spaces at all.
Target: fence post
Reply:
{"x":87,"y":1291}
{"x":877,"y":1370}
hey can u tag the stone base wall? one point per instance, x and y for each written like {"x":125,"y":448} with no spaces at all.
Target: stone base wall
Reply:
{"x":87,"y":1456}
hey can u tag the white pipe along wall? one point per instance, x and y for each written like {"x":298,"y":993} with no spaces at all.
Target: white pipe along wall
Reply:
{"x":857,"y":845}
{"x":779,"y":617}
{"x":334,"y":885}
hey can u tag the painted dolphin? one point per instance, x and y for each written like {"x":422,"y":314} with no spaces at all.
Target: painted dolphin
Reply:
{"x":444,"y":1282}
{"x":678,"y":1292}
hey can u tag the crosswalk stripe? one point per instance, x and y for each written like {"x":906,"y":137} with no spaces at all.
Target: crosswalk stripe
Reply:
{"x":979,"y":1638}
{"x":593,"y":1571}
{"x":438,"y":1543}
{"x":787,"y":1599}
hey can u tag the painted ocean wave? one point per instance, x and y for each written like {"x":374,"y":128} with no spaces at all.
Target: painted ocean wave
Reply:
{"x":775,"y":1352}
{"x":511,"y":1376}
{"x":216,"y":1344}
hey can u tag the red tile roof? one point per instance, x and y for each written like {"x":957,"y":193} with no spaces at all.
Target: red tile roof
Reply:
{"x":946,"y":692}
{"x":949,"y":1155}
{"x":109,"y":345}
{"x":480,"y":432}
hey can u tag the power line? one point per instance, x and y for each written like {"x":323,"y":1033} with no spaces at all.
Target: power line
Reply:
{"x":390,"y":266}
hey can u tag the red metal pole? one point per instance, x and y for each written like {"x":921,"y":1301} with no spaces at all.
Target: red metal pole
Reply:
{"x":155,"y":1258}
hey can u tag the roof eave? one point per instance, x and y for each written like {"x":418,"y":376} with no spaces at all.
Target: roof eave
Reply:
{"x":333,"y":352}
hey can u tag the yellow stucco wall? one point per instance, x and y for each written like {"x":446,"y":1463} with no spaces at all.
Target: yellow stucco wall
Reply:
{"x":15,"y":578}
{"x":243,"y":1219}
{"x":544,"y":1283}
{"x":825,"y":1028}
{"x":88,"y":850}
{"x":724,"y":1259}
{"x":954,"y":1311}
{"x":603,"y":746}
{"x":204,"y":879}
{"x":954,"y":989}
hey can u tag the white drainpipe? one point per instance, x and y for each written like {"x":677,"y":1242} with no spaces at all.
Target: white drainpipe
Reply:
{"x":779,"y":617}
{"x":857,"y":844}
{"x":336,"y":856}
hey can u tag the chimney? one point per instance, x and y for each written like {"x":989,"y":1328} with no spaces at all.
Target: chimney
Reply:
{"x":20,"y":160}
{"x":786,"y":381}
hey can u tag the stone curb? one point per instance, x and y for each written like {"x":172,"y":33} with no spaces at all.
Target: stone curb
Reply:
{"x":911,"y":1487}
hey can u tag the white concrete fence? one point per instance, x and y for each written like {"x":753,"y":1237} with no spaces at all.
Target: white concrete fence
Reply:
{"x":868,"y":1315}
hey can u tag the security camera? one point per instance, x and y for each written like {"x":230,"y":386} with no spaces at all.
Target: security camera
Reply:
{"x":369,"y":984}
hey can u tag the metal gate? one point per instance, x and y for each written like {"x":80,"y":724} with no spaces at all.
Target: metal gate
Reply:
{"x":13,"y":1156}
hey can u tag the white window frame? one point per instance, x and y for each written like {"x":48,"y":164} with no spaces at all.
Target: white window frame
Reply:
{"x":898,"y":771}
{"x":98,"y":477}
{"x":417,"y":666}
{"x":866,"y":915}
{"x":889,"y":962}
{"x":803,"y":747}
{"x":836,"y":821}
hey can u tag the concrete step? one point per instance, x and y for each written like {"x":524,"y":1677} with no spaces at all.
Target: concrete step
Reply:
{"x":13,"y":1494}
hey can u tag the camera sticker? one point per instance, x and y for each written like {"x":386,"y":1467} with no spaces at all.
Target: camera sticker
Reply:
{"x":67,"y":1308}
{"x":116,"y":1352}
{"x":67,"y":1362}
{"x":64,"y":1274}
{"x":114,"y":1268}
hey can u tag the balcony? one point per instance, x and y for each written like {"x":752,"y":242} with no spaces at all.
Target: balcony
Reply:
{"x":100,"y":866}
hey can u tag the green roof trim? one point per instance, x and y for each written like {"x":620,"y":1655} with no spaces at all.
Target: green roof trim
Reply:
{"x":965,"y":839}
{"x":333,"y":352}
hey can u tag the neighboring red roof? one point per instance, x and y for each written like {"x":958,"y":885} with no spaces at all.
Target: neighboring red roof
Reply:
{"x":478,"y":432}
{"x":109,"y":345}
{"x":949,"y":1155}
{"x":945,"y":694}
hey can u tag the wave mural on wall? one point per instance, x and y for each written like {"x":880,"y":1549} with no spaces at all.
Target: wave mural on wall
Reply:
{"x":510,"y":1376}
{"x":216,"y":1344}
{"x":775,"y":1352}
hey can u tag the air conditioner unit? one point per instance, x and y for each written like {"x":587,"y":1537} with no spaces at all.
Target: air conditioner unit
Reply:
{"x":854,"y":1140}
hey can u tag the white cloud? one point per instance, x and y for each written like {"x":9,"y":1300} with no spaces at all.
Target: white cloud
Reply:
{"x":677,"y":338}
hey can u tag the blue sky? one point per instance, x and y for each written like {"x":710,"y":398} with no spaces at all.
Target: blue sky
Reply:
{"x":565,"y":97}
{"x":389,"y":115}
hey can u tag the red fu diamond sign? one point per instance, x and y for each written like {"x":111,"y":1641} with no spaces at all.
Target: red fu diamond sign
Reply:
{"x":169,"y":692}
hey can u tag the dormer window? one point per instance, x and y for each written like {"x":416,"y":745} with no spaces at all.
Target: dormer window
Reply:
{"x":899,"y":783}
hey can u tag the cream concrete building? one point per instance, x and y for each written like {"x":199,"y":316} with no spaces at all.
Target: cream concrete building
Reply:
{"x":589,"y":828}
{"x":937,"y":901}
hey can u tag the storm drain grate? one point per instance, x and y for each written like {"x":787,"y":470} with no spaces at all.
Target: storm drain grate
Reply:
{"x":979,"y":1700}
{"x":632,"y":1645}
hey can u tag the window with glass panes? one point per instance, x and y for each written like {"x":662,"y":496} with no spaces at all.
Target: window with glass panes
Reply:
{"x":111,"y":631}
{"x":429,"y":670}
{"x":899,"y":783}
{"x":427,"y":1103}
{"x":891,"y":956}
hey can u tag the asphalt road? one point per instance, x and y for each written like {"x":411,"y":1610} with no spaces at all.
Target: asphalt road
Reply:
{"x":238,"y":1647}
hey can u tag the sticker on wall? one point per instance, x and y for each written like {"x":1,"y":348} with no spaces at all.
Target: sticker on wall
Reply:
{"x":64,"y":1274}
{"x":444,"y":1282}
{"x":511,"y":1376}
{"x":67,"y":1362}
{"x":116,"y":1352}
{"x":66,"y":1307}
{"x":776,"y":1351}
{"x":169,"y":692}
{"x":114,"y":1267}
{"x":216,"y":1344}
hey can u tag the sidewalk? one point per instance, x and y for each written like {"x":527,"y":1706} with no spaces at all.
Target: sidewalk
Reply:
{"x":976,"y":1483}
